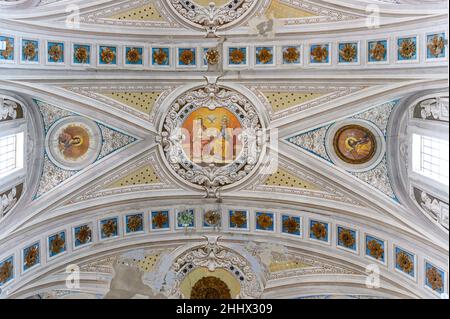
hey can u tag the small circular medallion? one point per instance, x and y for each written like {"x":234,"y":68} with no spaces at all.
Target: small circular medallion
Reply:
{"x":354,"y":144}
{"x":73,"y":142}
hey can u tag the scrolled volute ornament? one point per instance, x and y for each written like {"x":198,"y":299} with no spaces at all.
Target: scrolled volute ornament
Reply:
{"x":212,"y":17}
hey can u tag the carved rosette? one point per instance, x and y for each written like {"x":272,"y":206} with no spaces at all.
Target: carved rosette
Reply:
{"x":214,"y":256}
{"x":212,"y":177}
{"x":212,"y":18}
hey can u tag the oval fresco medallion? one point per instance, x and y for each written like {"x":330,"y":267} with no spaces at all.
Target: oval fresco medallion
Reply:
{"x":73,"y":143}
{"x":355,"y":144}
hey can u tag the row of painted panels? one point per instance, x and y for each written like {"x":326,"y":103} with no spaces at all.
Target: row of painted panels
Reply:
{"x":348,"y":53}
{"x":347,"y":238}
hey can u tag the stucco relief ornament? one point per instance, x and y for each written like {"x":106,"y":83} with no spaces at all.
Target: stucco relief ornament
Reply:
{"x":430,"y":205}
{"x":212,"y":17}
{"x":7,"y":201}
{"x":435,"y":108}
{"x":214,"y":256}
{"x":7,"y":109}
{"x":212,"y":137}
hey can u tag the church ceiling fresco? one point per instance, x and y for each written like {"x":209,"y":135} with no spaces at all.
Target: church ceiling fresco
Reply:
{"x":218,"y":149}
{"x":357,"y":148}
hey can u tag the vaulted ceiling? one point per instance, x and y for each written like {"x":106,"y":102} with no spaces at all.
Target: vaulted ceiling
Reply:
{"x":305,"y":69}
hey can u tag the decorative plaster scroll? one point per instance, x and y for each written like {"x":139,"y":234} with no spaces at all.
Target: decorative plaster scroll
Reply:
{"x":212,"y":17}
{"x":313,"y":141}
{"x":331,"y":93}
{"x":101,"y":16}
{"x":214,"y":256}
{"x":432,"y":109}
{"x":8,"y":199}
{"x":436,"y":208}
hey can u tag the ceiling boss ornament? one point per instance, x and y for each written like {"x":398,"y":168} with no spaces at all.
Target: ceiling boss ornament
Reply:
{"x":212,"y":137}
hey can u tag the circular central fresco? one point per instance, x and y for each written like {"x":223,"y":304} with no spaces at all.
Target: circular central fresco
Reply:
{"x":212,"y":136}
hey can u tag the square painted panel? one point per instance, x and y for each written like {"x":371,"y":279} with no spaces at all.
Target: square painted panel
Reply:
{"x":82,"y":235}
{"x":212,"y":218}
{"x":264,"y":55}
{"x":237,"y":56}
{"x":265,"y":221}
{"x":6,"y":270}
{"x":318,"y":230}
{"x":56,"y":244}
{"x":160,"y":220}
{"x":405,"y":262}
{"x":161,"y":56}
{"x":319,"y":53}
{"x":186,"y":218}
{"x":55,"y":52}
{"x":291,"y":225}
{"x":407,"y":49}
{"x":187,"y":56}
{"x":436,"y":45}
{"x":375,"y":248}
{"x":134,"y":223}
{"x":133,"y":55}
{"x":7,"y":49}
{"x":434,"y":278}
{"x":347,"y":238}
{"x":107,"y":55}
{"x":81,"y":54}
{"x":377,"y":51}
{"x":292,"y":54}
{"x":30,"y":51}
{"x":238,"y":219}
{"x":348,"y":52}
{"x":31,"y":256}
{"x":109,"y":228}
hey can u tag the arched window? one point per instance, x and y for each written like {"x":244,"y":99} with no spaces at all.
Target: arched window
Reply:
{"x":428,"y":169}
{"x":13,"y":131}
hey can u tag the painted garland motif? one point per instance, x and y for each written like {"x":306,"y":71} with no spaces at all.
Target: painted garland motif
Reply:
{"x":225,"y":102}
